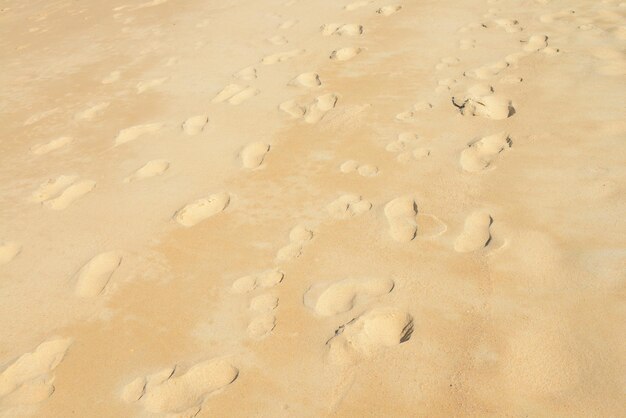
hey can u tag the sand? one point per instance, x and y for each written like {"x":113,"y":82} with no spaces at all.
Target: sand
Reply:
{"x":289,"y":208}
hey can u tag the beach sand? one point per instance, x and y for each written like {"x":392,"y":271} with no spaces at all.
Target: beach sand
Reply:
{"x":272,"y":208}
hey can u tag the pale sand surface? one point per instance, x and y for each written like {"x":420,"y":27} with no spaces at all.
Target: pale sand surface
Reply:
{"x":271,"y":208}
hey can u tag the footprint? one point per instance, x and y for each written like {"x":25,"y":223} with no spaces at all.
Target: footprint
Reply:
{"x":134,"y":132}
{"x":29,"y":379}
{"x":70,"y":194}
{"x":53,"y":187}
{"x":487,"y":71}
{"x":53,"y":145}
{"x":411,"y":115}
{"x":150,"y":169}
{"x":278,"y":40}
{"x":228,"y":92}
{"x":264,"y":303}
{"x":262,"y":325}
{"x":369,"y":333}
{"x":310,"y":80}
{"x":447,"y":62}
{"x":313,"y":112}
{"x":484,"y":103}
{"x":348,"y":206}
{"x":388,"y":10}
{"x":235,"y":94}
{"x":266,"y":279}
{"x":400,"y":213}
{"x":287,"y":24}
{"x":407,"y":148}
{"x":95,"y":275}
{"x":365,"y":170}
{"x":195,"y":124}
{"x":253,"y":154}
{"x":509,"y":25}
{"x":333,"y":298}
{"x":298,"y":237}
{"x":536,"y":43}
{"x":345,"y":54}
{"x":201,"y":209}
{"x":92,"y":112}
{"x":465,"y":44}
{"x":180,"y":393}
{"x":356,"y":5}
{"x":8,"y":251}
{"x":476,"y":234}
{"x":482,"y":152}
{"x":112,"y":77}
{"x":349,"y":29}
{"x":143,"y":86}
{"x":281,"y":56}
{"x":248,"y":73}
{"x":243,"y":95}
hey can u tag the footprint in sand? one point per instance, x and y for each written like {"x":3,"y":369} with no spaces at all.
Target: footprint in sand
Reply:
{"x":8,"y":251}
{"x":365,"y":170}
{"x":253,"y":154}
{"x":264,"y":320}
{"x":143,"y":86}
{"x":345,"y":54}
{"x":202,"y":209}
{"x":195,"y":124}
{"x":150,"y":169}
{"x":465,"y":44}
{"x":312,"y":112}
{"x":265,"y":302}
{"x":262,"y":325}
{"x":487,"y":71}
{"x":235,"y":94}
{"x":92,"y":112}
{"x":407,"y":148}
{"x":369,"y":333}
{"x":95,"y":275}
{"x":310,"y":80}
{"x":348,"y":206}
{"x":277,"y":40}
{"x":298,"y":237}
{"x":348,"y":29}
{"x":266,"y":279}
{"x":535,"y":43}
{"x":53,"y":145}
{"x":173,"y":391}
{"x":248,"y":73}
{"x":476,"y":234}
{"x":481,"y":101}
{"x":480,"y":153}
{"x":447,"y":62}
{"x":509,"y":25}
{"x":61,"y":192}
{"x":29,"y":379}
{"x":389,"y":10}
{"x":405,"y":223}
{"x":53,"y":187}
{"x":332,"y":298}
{"x":287,"y":24}
{"x":281,"y":56}
{"x":112,"y":77}
{"x":356,"y":5}
{"x":134,"y":132}
{"x":412,"y":114}
{"x":400,"y":213}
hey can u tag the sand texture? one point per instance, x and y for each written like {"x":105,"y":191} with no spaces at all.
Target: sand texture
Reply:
{"x":312,"y":208}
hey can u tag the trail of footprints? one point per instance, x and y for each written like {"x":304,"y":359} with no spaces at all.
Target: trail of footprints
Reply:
{"x":183,"y":389}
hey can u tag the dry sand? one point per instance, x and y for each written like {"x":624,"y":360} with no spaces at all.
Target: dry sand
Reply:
{"x":272,"y":208}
